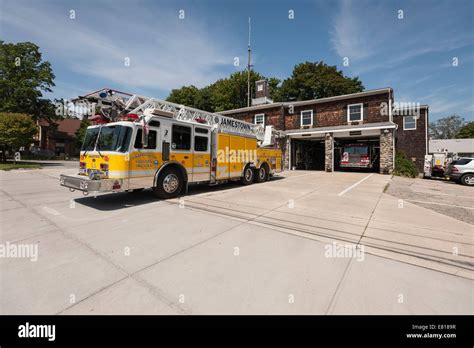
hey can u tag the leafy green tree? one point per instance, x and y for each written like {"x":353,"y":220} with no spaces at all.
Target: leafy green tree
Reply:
{"x":185,"y":95}
{"x":204,"y":99}
{"x":446,"y":127}
{"x":316,"y":80}
{"x":24,"y":76}
{"x":466,"y":131}
{"x":16,"y":130}
{"x":224,"y":94}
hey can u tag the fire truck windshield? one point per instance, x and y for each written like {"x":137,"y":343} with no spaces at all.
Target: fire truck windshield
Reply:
{"x":111,"y":138}
{"x":356,"y":150}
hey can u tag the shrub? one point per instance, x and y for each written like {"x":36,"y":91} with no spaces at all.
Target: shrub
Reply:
{"x":404,"y":167}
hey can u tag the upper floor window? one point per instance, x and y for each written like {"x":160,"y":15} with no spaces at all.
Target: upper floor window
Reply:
{"x":307,"y":118}
{"x":355,"y":112}
{"x":409,"y":123}
{"x":260,"y":119}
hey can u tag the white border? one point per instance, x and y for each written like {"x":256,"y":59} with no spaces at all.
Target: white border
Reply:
{"x":342,"y":130}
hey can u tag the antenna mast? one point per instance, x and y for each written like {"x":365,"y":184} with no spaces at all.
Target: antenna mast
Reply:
{"x":248,"y":69}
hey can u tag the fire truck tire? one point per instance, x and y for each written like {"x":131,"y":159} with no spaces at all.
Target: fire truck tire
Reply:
{"x":169,"y":184}
{"x":248,"y":176}
{"x":261,"y":174}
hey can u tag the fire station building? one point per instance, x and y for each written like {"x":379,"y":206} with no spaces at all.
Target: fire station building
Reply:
{"x":316,"y":132}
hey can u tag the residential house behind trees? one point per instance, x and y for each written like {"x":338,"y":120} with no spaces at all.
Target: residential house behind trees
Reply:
{"x":58,"y":138}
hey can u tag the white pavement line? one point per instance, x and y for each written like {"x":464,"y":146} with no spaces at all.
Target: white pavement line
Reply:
{"x":352,"y":186}
{"x":448,"y":205}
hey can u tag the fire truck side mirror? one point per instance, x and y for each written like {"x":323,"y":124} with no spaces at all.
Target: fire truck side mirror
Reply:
{"x":165,"y":153}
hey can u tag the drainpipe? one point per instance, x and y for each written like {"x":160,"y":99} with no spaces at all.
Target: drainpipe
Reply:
{"x":426,"y":131}
{"x":390,"y":116}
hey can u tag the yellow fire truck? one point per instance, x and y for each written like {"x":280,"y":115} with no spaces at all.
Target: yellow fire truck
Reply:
{"x":145,"y":142}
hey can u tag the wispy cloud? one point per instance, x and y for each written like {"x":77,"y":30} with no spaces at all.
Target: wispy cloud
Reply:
{"x":373,"y":38}
{"x":164,"y":52}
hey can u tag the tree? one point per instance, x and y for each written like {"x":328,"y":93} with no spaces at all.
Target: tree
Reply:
{"x":316,"y":80}
{"x":224,"y":94}
{"x":446,"y":127}
{"x":185,"y":95}
{"x":24,"y":76}
{"x":466,"y":131}
{"x":16,"y":130}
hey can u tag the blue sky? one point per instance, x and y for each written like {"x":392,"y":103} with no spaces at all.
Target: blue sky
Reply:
{"x":414,"y":55}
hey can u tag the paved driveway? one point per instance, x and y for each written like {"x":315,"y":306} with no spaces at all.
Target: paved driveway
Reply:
{"x":285,"y":246}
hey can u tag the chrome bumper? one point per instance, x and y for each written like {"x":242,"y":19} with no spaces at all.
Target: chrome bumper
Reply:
{"x":85,"y":184}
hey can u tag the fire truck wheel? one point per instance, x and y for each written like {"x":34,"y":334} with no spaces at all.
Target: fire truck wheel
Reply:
{"x":169,"y":184}
{"x":248,"y":176}
{"x":261,"y":174}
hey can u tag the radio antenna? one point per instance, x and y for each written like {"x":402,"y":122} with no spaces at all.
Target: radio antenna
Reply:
{"x":248,"y":67}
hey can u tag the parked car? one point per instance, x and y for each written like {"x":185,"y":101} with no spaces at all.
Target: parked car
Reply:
{"x":462,"y":171}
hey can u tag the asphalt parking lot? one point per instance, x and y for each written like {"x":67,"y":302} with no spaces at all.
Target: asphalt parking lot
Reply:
{"x":271,"y":248}
{"x":443,"y":196}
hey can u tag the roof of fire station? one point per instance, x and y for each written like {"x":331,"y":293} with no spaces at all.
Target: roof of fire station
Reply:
{"x":311,"y":101}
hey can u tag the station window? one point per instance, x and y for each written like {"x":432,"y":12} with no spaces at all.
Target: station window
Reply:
{"x":260,"y":119}
{"x":151,"y":140}
{"x":181,"y":138}
{"x":355,"y":112}
{"x":409,"y":123}
{"x":307,"y":118}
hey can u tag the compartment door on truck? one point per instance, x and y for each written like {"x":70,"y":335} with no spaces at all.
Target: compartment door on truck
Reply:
{"x":236,"y":156}
{"x":201,"y":157}
{"x":223,"y":147}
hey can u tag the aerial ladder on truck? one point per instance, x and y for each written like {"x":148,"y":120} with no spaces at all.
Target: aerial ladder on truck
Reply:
{"x":139,"y":142}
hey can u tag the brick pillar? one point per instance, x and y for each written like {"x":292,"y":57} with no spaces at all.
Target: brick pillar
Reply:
{"x":386,"y":151}
{"x":329,"y":151}
{"x":286,"y":153}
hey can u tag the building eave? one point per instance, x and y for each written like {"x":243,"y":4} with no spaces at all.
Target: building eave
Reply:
{"x":336,"y":129}
{"x":308,"y":102}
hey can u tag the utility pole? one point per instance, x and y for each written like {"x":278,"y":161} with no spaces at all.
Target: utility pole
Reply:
{"x":248,"y":70}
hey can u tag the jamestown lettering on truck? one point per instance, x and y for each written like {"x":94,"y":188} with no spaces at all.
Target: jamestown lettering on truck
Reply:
{"x":164,"y":146}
